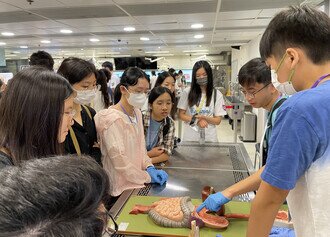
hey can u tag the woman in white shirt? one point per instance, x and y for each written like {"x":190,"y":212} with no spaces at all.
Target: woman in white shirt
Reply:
{"x":201,"y":106}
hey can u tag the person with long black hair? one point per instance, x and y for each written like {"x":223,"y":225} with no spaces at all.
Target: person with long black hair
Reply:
{"x":159,"y":128}
{"x":36,"y":114}
{"x":201,"y":106}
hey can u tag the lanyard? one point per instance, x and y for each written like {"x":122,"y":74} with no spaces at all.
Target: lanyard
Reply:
{"x":198,"y":109}
{"x":319,"y":80}
{"x":125,"y":112}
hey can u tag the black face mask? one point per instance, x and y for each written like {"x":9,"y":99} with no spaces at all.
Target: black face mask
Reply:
{"x":202,"y":81}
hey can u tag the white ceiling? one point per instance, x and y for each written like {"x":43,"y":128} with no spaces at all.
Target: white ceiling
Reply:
{"x":167,"y":23}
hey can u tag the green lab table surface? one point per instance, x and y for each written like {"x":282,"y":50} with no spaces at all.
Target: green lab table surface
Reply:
{"x":141,"y":224}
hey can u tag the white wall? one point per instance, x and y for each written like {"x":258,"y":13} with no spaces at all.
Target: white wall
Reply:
{"x":239,"y":58}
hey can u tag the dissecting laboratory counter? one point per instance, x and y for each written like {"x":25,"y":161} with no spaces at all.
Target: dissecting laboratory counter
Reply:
{"x":193,"y":166}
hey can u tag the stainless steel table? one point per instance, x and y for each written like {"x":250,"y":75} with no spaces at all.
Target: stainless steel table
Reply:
{"x":193,"y":166}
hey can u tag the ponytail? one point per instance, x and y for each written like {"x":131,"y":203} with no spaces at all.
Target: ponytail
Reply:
{"x":117,"y":94}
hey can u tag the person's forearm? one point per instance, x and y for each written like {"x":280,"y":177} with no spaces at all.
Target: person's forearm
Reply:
{"x":157,"y":159}
{"x":249,"y":184}
{"x":184,"y":117}
{"x":150,"y":154}
{"x":213,"y":120}
{"x":264,"y":209}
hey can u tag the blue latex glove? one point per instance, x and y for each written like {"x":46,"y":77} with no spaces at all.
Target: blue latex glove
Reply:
{"x":281,"y":232}
{"x":213,"y":202}
{"x":157,"y":176}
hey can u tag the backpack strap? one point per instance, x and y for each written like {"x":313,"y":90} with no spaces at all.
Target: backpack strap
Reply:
{"x":277,"y":105}
{"x":88,"y":111}
{"x":75,"y":141}
{"x":73,"y":135}
{"x":269,"y":126}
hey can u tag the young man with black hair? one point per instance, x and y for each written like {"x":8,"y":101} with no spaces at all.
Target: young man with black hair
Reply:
{"x":255,"y":80}
{"x":296,"y":47}
{"x":42,"y":58}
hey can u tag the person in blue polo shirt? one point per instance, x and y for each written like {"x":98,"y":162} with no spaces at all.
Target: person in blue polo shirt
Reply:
{"x":296,"y":47}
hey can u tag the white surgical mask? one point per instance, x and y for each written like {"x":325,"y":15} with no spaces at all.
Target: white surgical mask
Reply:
{"x":285,"y":87}
{"x":137,"y":100}
{"x":202,"y":81}
{"x":84,"y":96}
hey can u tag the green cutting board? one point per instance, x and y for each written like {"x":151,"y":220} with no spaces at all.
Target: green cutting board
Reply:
{"x":141,"y":224}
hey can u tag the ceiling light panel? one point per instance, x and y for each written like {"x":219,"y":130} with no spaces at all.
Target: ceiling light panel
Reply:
{"x":199,"y":36}
{"x":7,"y":33}
{"x":66,"y":31}
{"x":197,"y":26}
{"x":129,"y":28}
{"x":94,"y":40}
{"x":144,"y":38}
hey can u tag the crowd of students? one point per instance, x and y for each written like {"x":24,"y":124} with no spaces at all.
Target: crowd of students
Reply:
{"x":129,"y":126}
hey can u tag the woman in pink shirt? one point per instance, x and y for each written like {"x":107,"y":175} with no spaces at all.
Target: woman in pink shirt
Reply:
{"x":121,"y":136}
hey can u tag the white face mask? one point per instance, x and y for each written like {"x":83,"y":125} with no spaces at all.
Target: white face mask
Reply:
{"x":85,"y":97}
{"x":285,"y":87}
{"x":137,"y":100}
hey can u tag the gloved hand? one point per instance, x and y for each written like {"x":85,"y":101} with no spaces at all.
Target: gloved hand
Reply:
{"x":281,"y":232}
{"x":213,"y":202}
{"x":157,"y":176}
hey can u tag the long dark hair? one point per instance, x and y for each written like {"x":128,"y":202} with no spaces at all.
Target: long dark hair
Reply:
{"x":101,"y":80}
{"x":106,"y":73}
{"x":31,"y":112}
{"x":130,"y":77}
{"x":154,"y":94}
{"x":160,"y":79}
{"x":76,"y":69}
{"x":195,"y":90}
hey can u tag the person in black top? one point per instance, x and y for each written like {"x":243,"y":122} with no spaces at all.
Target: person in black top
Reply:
{"x":35,"y":115}
{"x":82,"y":138}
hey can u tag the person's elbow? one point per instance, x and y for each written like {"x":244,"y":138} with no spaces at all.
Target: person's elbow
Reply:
{"x":218,"y":121}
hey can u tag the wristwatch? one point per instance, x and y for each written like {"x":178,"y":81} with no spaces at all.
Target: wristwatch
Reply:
{"x":193,"y":119}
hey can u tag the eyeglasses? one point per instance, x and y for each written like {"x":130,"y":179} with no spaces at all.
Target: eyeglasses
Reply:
{"x":253,"y":95}
{"x":111,"y":227}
